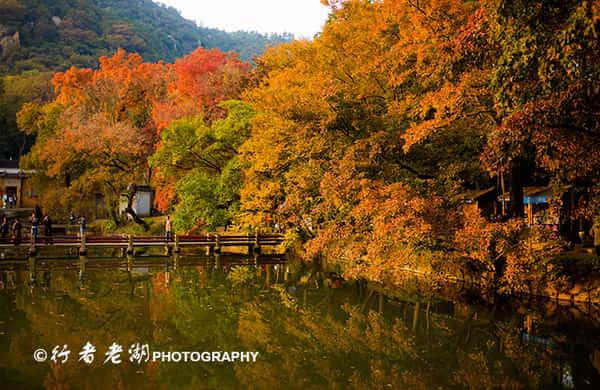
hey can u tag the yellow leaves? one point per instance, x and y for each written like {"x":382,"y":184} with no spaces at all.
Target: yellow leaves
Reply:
{"x":383,"y":229}
{"x":476,"y":236}
{"x":452,"y":105}
{"x":334,"y":115}
{"x":529,"y":251}
{"x":293,"y":89}
{"x":530,"y":264}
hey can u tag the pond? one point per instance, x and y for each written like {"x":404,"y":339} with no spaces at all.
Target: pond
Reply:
{"x":310,"y":329}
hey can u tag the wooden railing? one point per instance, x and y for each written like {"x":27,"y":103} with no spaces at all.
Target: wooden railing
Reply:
{"x":212,"y":241}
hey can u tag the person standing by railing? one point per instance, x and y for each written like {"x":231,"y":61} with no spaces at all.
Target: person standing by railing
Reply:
{"x":71,"y":222}
{"x":47,"y":222}
{"x":16,"y":232}
{"x":35,"y":222}
{"x":4,"y":227}
{"x":82,"y":226}
{"x":168,"y":229}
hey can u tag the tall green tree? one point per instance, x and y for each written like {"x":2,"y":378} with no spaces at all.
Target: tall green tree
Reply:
{"x":202,"y":159}
{"x":15,"y":91}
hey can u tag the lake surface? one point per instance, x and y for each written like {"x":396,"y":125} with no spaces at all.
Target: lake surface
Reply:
{"x":311,"y":330}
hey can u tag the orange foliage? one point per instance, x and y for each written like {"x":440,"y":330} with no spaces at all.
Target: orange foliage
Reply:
{"x":105,"y":123}
{"x":98,"y":133}
{"x":198,"y":83}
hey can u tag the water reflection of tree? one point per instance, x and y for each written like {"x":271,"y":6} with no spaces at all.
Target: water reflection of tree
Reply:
{"x":103,"y":312}
{"x":309,"y":333}
{"x":364,"y":350}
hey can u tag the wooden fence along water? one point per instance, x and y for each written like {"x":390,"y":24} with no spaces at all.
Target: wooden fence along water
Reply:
{"x":213,"y":242}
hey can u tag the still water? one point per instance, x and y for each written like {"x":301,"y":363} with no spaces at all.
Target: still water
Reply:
{"x":311,"y":330}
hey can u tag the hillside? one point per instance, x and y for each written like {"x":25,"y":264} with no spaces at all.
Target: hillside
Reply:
{"x":38,"y":37}
{"x":53,"y":35}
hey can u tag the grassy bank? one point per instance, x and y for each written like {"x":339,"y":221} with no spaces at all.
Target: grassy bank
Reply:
{"x":107,"y":227}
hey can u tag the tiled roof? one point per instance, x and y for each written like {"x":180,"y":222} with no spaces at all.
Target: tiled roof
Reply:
{"x":473,"y":194}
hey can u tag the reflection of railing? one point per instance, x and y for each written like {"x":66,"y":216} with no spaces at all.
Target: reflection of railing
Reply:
{"x":214,"y":242}
{"x":155,"y":262}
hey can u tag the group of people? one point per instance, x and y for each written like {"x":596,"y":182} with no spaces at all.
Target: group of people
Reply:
{"x":37,"y":219}
{"x":13,"y":229}
{"x":41,"y":225}
{"x":82,"y":223}
{"x":9,"y":201}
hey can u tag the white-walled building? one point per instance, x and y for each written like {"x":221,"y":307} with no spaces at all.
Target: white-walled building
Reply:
{"x":15,"y":182}
{"x":142,"y":201}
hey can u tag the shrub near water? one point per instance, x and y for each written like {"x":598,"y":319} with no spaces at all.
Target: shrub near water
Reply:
{"x":528,"y":252}
{"x":391,"y":233}
{"x":530,"y":265}
{"x":390,"y":229}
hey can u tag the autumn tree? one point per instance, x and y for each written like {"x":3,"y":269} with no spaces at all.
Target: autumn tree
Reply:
{"x":360,"y":132}
{"x":96,"y":136}
{"x":197,"y":84}
{"x":201,"y":159}
{"x":546,"y":91}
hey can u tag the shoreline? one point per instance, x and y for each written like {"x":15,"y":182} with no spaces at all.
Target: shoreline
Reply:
{"x":577,"y":295}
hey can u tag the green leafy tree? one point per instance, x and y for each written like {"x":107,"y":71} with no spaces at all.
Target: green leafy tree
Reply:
{"x":15,"y":91}
{"x":203,"y":161}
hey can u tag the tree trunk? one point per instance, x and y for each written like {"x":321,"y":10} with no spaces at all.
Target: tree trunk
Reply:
{"x":114,"y":215}
{"x":517,"y":207}
{"x":131,"y":191}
